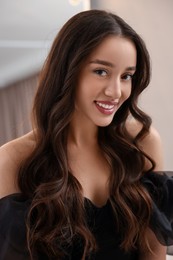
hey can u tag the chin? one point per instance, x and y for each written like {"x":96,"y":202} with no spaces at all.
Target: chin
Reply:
{"x":104,"y":123}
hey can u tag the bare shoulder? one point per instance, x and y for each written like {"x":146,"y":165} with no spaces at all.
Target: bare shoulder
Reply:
{"x":151,"y":144}
{"x":11,"y":156}
{"x":134,"y":127}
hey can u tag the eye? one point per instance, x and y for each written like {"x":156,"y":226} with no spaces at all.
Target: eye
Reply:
{"x":127,"y":77}
{"x":101,"y":72}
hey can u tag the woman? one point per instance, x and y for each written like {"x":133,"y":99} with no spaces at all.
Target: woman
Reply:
{"x":81,"y":185}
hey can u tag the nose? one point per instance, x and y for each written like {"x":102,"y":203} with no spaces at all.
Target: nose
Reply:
{"x":113,"y":90}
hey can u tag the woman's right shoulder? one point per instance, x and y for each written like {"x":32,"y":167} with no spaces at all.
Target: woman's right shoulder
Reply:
{"x":11,"y":156}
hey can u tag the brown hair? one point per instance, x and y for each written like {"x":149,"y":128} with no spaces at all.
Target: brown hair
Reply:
{"x":57,"y":214}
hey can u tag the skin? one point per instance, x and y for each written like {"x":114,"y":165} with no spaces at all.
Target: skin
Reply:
{"x":106,"y":77}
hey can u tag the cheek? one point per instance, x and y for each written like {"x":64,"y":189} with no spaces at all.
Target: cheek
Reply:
{"x":82,"y":92}
{"x":127,"y":92}
{"x":86,"y":90}
{"x":83,"y":95}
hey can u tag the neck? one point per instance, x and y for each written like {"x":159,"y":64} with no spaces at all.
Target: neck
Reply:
{"x":83,"y":135}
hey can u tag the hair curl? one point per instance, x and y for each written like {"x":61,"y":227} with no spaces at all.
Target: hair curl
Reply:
{"x":56,"y":217}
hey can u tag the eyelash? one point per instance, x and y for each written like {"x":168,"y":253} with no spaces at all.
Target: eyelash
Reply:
{"x":100,"y":71}
{"x":124,"y":77}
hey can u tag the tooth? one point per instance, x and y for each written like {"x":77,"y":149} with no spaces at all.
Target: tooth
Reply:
{"x":106,"y":106}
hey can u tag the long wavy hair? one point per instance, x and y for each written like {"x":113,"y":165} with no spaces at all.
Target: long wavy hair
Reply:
{"x":56,"y":217}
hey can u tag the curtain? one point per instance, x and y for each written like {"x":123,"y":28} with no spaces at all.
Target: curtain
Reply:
{"x":15,"y":108}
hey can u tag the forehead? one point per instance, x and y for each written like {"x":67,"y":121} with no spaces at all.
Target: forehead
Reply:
{"x":117,"y":50}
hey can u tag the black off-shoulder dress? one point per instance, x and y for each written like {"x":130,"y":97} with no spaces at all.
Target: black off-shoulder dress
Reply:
{"x":13,"y":210}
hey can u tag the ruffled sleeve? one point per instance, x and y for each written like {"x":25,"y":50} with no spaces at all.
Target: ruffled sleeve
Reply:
{"x":13,"y":210}
{"x":160,"y":187}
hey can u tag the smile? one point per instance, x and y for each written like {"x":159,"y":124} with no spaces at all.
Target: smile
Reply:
{"x":106,"y":107}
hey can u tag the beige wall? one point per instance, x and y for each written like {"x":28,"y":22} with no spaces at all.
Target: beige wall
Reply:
{"x":15,"y":108}
{"x":153,"y":20}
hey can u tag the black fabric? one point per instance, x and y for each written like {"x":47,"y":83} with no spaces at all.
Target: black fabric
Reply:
{"x":13,"y":211}
{"x":160,"y":187}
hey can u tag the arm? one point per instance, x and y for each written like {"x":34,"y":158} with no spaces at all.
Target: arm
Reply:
{"x":13,"y":244}
{"x":11,"y":156}
{"x":152,"y":146}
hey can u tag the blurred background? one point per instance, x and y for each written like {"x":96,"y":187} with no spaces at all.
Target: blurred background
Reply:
{"x":27,"y":29}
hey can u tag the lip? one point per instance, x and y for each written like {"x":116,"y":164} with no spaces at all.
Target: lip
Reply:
{"x":106,"y":110}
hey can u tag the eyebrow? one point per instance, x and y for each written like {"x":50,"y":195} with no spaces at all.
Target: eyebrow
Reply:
{"x":109,"y":64}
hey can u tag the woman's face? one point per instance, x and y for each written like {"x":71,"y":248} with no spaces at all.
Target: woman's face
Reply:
{"x":105,"y":81}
